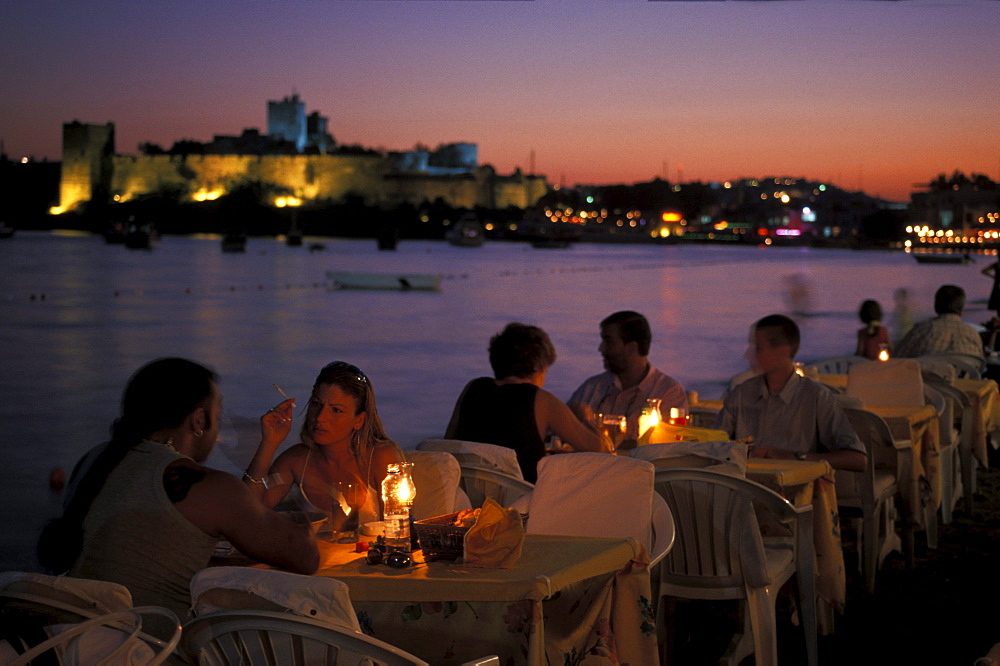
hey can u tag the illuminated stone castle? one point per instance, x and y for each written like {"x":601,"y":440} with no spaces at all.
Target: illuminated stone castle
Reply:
{"x":92,"y":171}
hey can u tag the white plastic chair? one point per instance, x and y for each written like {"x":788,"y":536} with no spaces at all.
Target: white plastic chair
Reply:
{"x":478,"y":483}
{"x":703,"y":416}
{"x":436,"y":475}
{"x":325,"y":600}
{"x":583,"y":494}
{"x":114,"y":638}
{"x":719,"y":554}
{"x":501,"y":458}
{"x":955,"y":445}
{"x":33,"y":601}
{"x":838,"y":365}
{"x":723,"y":457}
{"x":967,"y":366}
{"x":896,"y":383}
{"x":252,"y":638}
{"x":871,"y":495}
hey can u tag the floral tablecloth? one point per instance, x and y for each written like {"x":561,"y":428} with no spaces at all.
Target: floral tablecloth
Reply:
{"x":569,"y":600}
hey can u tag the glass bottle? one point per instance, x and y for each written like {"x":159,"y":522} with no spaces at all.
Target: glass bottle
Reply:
{"x":650,"y":416}
{"x":398,"y":492}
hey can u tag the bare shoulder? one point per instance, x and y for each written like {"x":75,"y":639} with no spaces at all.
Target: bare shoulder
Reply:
{"x":386,"y":453}
{"x":292,"y":456}
{"x":549,"y":401}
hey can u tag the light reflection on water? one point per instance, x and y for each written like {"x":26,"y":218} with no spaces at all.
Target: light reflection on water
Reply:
{"x":265,"y":317}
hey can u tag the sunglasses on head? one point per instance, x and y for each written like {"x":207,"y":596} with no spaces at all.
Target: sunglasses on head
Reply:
{"x":353,"y":370}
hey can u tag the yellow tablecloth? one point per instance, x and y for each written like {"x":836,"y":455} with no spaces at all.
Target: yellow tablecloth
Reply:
{"x":804,"y":482}
{"x":566,"y":598}
{"x":920,"y":480}
{"x":985,"y":400}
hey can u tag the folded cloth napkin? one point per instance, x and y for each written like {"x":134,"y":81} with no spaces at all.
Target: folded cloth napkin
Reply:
{"x":495,"y":540}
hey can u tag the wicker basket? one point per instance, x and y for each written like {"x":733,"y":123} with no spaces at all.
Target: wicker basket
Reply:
{"x":440,"y":537}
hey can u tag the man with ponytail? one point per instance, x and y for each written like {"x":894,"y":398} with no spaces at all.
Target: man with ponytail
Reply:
{"x":146,"y":514}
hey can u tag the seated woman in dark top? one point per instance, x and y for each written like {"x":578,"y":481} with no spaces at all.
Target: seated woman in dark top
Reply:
{"x":513,"y":410}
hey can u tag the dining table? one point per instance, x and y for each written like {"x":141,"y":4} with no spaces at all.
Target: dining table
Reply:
{"x":567,"y":599}
{"x":805,"y":482}
{"x":984,"y":399}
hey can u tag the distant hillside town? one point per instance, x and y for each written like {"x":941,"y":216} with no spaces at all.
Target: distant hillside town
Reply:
{"x":297,"y":176}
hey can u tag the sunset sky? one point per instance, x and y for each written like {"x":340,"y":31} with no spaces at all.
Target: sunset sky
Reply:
{"x":869,"y":95}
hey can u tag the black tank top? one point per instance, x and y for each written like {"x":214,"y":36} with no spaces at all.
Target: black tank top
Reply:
{"x":503,"y":415}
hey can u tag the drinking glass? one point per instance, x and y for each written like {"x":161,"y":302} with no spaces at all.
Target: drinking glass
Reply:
{"x":613,"y":426}
{"x":348,"y":497}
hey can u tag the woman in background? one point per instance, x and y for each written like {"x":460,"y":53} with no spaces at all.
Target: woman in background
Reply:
{"x":512,"y":409}
{"x":874,"y":337}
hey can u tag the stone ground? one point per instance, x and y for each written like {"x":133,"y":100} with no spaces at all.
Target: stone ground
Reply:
{"x":946,"y":611}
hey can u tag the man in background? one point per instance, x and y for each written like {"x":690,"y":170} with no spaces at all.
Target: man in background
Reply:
{"x":629,"y":378}
{"x":787,"y":415}
{"x":946,"y":333}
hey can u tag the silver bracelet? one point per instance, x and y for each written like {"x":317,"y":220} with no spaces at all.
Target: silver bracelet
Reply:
{"x":261,"y":481}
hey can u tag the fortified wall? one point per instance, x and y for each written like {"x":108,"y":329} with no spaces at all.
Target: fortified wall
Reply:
{"x":91,"y":169}
{"x":86,"y":163}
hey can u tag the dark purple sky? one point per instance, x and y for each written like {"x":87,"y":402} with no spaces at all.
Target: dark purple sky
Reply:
{"x":871,"y":95}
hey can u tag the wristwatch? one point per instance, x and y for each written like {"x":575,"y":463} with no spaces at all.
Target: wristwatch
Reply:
{"x":800,"y":455}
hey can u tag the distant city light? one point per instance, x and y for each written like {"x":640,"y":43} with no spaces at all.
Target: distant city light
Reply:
{"x":24,"y":160}
{"x":590,"y":199}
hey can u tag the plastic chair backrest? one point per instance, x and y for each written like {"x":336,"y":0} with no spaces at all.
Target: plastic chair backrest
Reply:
{"x":318,"y":598}
{"x":664,"y":532}
{"x":252,"y":638}
{"x":478,"y":483}
{"x":114,"y":637}
{"x":436,"y":475}
{"x":718,"y":543}
{"x":838,"y":365}
{"x":96,"y":597}
{"x":966,"y":365}
{"x":593,"y":494}
{"x":724,"y":456}
{"x":477,"y":453}
{"x":895,"y":383}
{"x":882,"y":448}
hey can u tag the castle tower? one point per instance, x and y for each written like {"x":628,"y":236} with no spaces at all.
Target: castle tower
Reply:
{"x":86,"y":163}
{"x":287,"y":120}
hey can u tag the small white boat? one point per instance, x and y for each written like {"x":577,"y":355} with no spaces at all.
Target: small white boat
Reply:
{"x":392,"y":281}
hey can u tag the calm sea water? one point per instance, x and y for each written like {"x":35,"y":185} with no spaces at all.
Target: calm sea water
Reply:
{"x":78,"y":317}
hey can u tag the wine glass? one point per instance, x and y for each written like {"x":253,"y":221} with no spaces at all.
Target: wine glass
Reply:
{"x":347,"y":497}
{"x":613,"y":426}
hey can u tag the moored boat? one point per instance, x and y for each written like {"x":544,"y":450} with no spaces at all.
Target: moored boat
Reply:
{"x":935,"y":258}
{"x":234,"y":241}
{"x":385,"y":281}
{"x":139,"y":237}
{"x":467,"y":232}
{"x":5,"y":231}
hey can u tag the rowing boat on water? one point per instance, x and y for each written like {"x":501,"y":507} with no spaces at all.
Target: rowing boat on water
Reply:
{"x":391,"y":281}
